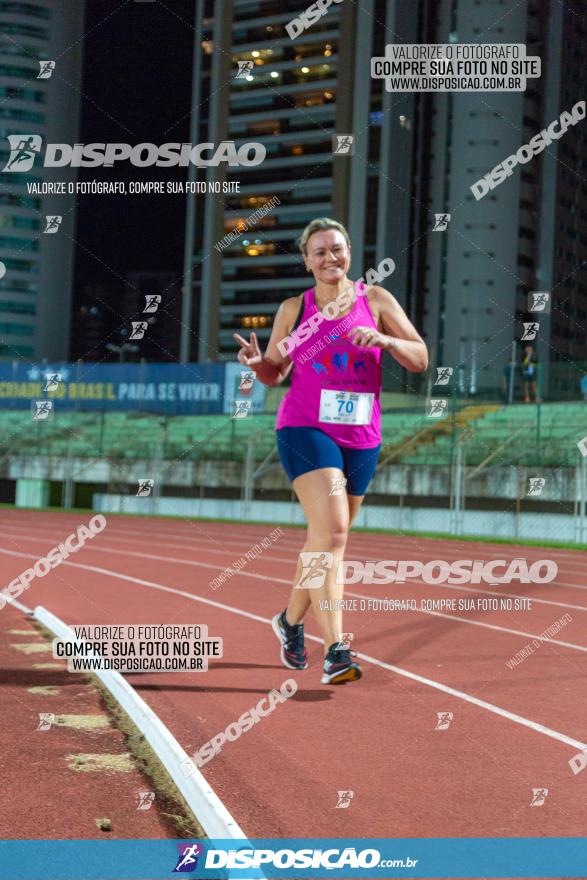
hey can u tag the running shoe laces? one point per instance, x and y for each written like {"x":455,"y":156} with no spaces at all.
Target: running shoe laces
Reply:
{"x":339,"y":655}
{"x":295,"y":638}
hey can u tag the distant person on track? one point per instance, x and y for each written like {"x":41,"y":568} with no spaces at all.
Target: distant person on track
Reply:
{"x":530,"y":374}
{"x":328,"y":424}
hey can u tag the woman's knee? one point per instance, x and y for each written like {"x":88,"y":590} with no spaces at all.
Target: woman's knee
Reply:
{"x":329,"y":536}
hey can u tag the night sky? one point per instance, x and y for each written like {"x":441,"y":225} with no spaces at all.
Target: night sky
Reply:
{"x":137,"y":74}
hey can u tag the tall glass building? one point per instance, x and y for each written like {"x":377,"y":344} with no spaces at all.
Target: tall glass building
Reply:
{"x":525,"y":235}
{"x":35,"y":291}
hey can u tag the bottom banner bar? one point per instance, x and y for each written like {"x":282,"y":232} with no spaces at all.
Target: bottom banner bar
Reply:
{"x":298,"y":858}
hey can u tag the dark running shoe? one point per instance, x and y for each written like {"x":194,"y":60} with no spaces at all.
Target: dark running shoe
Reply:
{"x":293,"y":653}
{"x":339,"y":665}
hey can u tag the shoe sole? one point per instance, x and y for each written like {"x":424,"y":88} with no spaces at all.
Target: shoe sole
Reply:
{"x":352,"y":674}
{"x":277,"y":631}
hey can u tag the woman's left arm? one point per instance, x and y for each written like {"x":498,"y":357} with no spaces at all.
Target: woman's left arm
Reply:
{"x":403,"y":343}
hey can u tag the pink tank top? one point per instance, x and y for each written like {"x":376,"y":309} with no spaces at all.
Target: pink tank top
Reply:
{"x":327,"y":364}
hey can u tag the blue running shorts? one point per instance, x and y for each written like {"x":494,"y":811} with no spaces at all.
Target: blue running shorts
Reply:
{"x":307,"y":449}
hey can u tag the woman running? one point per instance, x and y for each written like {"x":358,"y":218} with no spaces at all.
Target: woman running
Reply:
{"x":328,"y":424}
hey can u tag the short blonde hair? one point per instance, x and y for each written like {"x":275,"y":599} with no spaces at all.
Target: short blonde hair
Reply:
{"x":319,"y":225}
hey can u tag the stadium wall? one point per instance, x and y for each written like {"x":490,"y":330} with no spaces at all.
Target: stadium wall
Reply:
{"x":491,"y":524}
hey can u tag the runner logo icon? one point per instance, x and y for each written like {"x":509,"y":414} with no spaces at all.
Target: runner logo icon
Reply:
{"x":437,"y":407}
{"x":443,"y":375}
{"x":139,"y":328}
{"x":344,"y":799}
{"x":46,"y":719}
{"x":536,"y":485}
{"x":152,"y":302}
{"x":241,"y":409}
{"x":314,"y":566}
{"x":337,"y":485}
{"x":539,"y":301}
{"x":343,"y":144}
{"x":441,"y":222}
{"x":444,"y":720}
{"x":53,"y":222}
{"x":53,"y":380}
{"x":23,"y":150}
{"x":42,"y":410}
{"x":145,"y":800}
{"x":187,"y":861}
{"x":247,"y":381}
{"x":539,"y":795}
{"x":245,"y":69}
{"x":46,"y":69}
{"x":530,"y":330}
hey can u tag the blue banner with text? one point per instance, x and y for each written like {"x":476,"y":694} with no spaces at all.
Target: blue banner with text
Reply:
{"x":173,"y":389}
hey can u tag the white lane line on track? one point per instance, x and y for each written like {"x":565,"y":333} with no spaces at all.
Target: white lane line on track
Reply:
{"x":448,"y":552}
{"x":518,"y":632}
{"x":19,"y":605}
{"x":374,"y":540}
{"x":475,"y":701}
{"x":273,"y":580}
{"x":506,"y":595}
{"x":268,"y":558}
{"x":368,"y":545}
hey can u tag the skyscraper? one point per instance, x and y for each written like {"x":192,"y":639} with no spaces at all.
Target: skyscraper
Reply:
{"x":525,"y":234}
{"x":35,"y":291}
{"x":286,"y":101}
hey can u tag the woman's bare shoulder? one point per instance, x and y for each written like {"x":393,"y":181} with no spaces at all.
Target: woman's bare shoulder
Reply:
{"x":293,"y":303}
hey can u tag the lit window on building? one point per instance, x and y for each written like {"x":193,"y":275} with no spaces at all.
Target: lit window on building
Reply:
{"x":255,"y":321}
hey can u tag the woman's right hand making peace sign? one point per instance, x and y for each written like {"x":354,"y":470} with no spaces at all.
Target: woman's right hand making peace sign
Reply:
{"x":249,"y":353}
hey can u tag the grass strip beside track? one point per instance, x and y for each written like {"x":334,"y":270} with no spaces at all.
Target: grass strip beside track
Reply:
{"x":169,"y":799}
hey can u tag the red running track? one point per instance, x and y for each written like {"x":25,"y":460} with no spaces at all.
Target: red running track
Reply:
{"x":512,"y":730}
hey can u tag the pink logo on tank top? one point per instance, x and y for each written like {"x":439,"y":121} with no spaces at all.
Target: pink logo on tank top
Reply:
{"x":341,"y":362}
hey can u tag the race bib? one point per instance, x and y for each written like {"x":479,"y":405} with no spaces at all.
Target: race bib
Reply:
{"x":346,"y":407}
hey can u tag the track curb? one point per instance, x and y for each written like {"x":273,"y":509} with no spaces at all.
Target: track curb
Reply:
{"x":201,"y":798}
